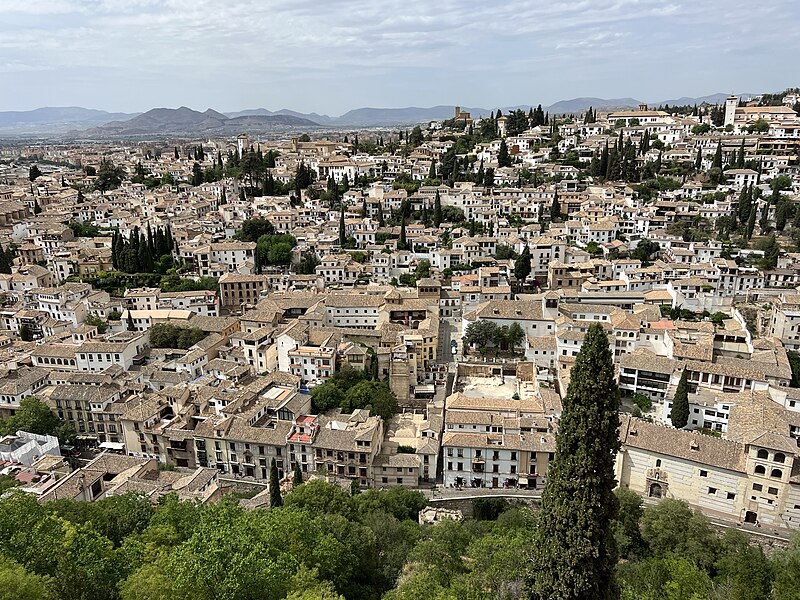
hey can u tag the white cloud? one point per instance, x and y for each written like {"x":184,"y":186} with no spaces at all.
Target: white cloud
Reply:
{"x":349,"y":41}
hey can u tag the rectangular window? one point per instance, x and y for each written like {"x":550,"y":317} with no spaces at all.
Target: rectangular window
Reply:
{"x":757,"y":487}
{"x":712,"y":490}
{"x":703,"y":473}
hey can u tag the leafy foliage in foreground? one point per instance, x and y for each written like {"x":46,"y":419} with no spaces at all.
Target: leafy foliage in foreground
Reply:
{"x":325,"y":544}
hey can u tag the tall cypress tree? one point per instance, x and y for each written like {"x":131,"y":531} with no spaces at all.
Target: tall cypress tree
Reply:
{"x":679,"y":415}
{"x":751,"y":221}
{"x":402,"y":244}
{"x":555,"y":208}
{"x":437,"y":209}
{"x":114,"y":250}
{"x":740,"y":157}
{"x":604,"y":161}
{"x":481,"y":175}
{"x":717,"y":157}
{"x":342,"y":232}
{"x":275,"y":498}
{"x":503,"y":157}
{"x":297,"y":478}
{"x":575,"y":552}
{"x":522,"y":268}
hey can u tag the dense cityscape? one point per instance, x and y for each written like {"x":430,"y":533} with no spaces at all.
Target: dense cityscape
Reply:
{"x":518,"y":355}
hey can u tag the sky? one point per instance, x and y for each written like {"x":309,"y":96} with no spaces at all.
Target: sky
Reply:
{"x":330,"y":56}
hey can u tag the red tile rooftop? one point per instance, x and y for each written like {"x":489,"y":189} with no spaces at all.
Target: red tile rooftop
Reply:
{"x":664,"y":324}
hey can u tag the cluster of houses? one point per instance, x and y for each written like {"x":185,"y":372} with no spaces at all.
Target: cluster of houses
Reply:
{"x":398,"y":301}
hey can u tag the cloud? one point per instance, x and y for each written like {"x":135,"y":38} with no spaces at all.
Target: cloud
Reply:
{"x":284,"y":50}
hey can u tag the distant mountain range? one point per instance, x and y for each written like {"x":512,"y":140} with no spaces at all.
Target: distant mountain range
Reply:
{"x":183,"y":120}
{"x":88,"y":123}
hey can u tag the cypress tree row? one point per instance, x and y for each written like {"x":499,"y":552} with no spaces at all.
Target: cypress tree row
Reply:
{"x":140,"y":252}
{"x":575,"y":552}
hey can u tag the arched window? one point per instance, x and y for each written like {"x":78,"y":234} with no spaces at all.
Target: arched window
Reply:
{"x":779,"y":457}
{"x":760,"y":470}
{"x":658,"y":462}
{"x":763,"y":453}
{"x":655,"y":490}
{"x":776,"y":473}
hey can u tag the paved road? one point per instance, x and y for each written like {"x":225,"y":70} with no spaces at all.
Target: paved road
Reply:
{"x":449,"y":330}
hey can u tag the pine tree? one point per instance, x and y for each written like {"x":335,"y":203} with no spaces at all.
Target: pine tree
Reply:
{"x":432,"y":170}
{"x":177,"y":156}
{"x":381,"y":220}
{"x":297,"y":478}
{"x":437,"y":210}
{"x":698,"y":161}
{"x":275,"y":498}
{"x":575,"y":553}
{"x":129,"y":320}
{"x":679,"y":415}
